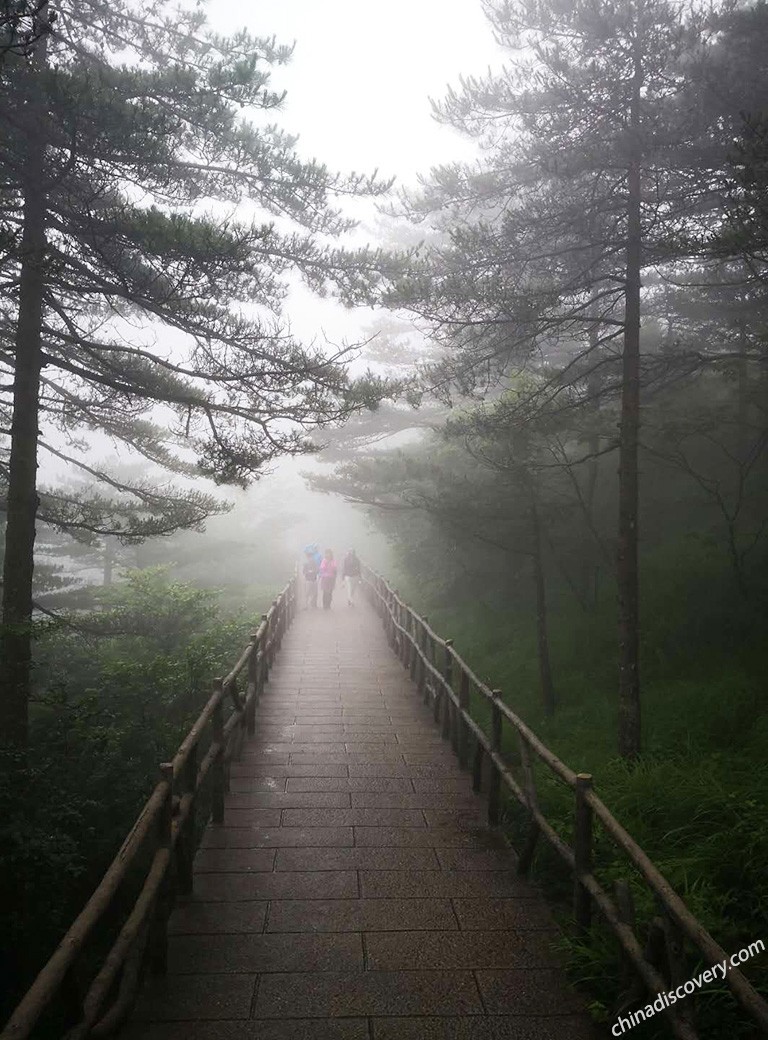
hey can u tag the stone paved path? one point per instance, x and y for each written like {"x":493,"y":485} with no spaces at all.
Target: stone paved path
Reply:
{"x":353,"y":892}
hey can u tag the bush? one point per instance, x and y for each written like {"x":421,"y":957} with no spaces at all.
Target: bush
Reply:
{"x":115,"y":691}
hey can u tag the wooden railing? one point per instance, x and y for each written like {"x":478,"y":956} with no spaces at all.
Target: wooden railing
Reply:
{"x":445,"y":680}
{"x":164,"y":836}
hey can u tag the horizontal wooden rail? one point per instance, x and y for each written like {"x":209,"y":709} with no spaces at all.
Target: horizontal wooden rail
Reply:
{"x":165,"y":832}
{"x":417,"y":646}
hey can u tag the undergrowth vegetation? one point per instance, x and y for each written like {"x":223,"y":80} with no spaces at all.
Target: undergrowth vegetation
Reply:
{"x":695,"y":801}
{"x":115,"y":691}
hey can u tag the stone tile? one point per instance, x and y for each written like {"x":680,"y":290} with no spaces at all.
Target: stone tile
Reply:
{"x":286,"y":715}
{"x":359,"y":737}
{"x":264,"y":1029}
{"x":318,"y":884}
{"x":458,"y":782}
{"x":363,"y":747}
{"x":367,"y":728}
{"x":302,"y":734}
{"x":428,"y":884}
{"x":356,"y":859}
{"x":395,"y":768}
{"x":195,"y":997}
{"x":506,"y":914}
{"x":477,"y":859}
{"x":262,"y":757}
{"x":431,"y":837}
{"x":425,"y":740}
{"x":278,"y":837}
{"x":355,"y":783}
{"x":457,"y":818}
{"x":316,"y":769}
{"x":194,"y":917}
{"x":296,"y":748}
{"x":233,"y":860}
{"x":351,"y":717}
{"x":352,"y":818}
{"x":249,"y":784}
{"x":411,"y":800}
{"x":249,"y":817}
{"x":310,"y":1029}
{"x":301,"y":729}
{"x":368,"y":993}
{"x":290,"y":800}
{"x":507,"y":1027}
{"x":215,"y":954}
{"x":354,"y":915}
{"x":430,"y":951}
{"x":527,"y":991}
{"x":436,"y":756}
{"x":372,"y":755}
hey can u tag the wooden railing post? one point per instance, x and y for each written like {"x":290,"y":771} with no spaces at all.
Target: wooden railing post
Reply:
{"x":494,"y":785}
{"x":463,"y":726}
{"x":424,"y":685}
{"x":675,"y":958}
{"x":158,"y":939}
{"x":253,"y":685}
{"x":409,"y":623}
{"x":389,"y":620}
{"x":414,"y":648}
{"x":477,"y":767}
{"x":447,"y":702}
{"x":582,"y":851}
{"x":217,"y":799}
{"x":237,"y":737}
{"x":265,"y":650}
{"x":525,"y":859}
{"x":274,"y":628}
{"x":186,"y":841}
{"x":625,"y":907}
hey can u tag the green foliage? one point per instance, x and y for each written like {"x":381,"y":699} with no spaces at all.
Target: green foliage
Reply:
{"x":115,"y":691}
{"x":147,"y":120}
{"x":695,"y":802}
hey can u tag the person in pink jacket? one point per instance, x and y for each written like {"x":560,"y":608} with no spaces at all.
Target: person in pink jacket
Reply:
{"x":328,"y":570}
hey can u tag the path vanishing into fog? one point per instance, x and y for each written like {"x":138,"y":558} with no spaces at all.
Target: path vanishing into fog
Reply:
{"x":354,"y":891}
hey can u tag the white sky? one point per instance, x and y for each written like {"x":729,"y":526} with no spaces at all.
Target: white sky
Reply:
{"x":362,"y":74}
{"x":358,"y":90}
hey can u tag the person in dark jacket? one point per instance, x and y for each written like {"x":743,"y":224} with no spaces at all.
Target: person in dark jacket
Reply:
{"x":328,"y":569}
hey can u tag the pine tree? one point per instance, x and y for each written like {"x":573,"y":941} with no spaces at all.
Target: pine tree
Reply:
{"x":590,"y":176}
{"x":149,"y":213}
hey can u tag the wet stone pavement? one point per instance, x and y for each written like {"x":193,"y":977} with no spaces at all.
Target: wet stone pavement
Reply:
{"x":354,"y":891}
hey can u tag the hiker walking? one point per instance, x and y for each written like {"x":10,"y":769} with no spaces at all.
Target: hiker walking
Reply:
{"x":350,"y":572}
{"x":328,"y":570}
{"x":310,"y":572}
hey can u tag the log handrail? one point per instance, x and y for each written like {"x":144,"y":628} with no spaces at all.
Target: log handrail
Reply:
{"x":403,"y":626}
{"x":168,"y":820}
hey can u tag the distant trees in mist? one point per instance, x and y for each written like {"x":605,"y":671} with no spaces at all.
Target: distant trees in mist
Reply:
{"x":598,"y":284}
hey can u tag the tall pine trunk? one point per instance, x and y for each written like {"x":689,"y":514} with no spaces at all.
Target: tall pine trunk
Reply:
{"x":627,"y":557}
{"x":590,"y":567}
{"x":548,"y":697}
{"x":18,"y":567}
